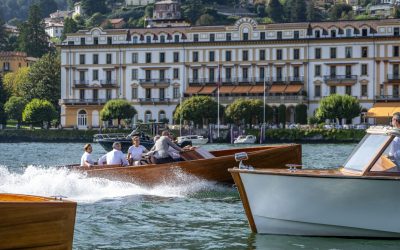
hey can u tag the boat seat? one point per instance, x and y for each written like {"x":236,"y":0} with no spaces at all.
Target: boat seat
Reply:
{"x":196,"y":154}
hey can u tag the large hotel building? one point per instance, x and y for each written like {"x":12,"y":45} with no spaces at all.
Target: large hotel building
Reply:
{"x":155,"y":68}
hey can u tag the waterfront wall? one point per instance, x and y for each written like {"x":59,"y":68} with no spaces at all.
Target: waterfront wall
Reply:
{"x":272,"y":135}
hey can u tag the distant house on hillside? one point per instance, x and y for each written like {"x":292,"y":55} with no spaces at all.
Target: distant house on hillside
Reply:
{"x":11,"y":61}
{"x":115,"y":23}
{"x":138,"y":2}
{"x":78,"y":8}
{"x":54,"y":29}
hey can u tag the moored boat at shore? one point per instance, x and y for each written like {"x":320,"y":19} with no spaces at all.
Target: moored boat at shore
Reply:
{"x":359,"y":199}
{"x":34,"y":222}
{"x":212,"y":166}
{"x":245,"y":139}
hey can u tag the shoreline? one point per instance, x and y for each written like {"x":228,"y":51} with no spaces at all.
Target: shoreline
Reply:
{"x":313,"y":136}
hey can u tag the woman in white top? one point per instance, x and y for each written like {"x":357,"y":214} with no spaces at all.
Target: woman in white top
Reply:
{"x":135,"y":152}
{"x":86,"y":159}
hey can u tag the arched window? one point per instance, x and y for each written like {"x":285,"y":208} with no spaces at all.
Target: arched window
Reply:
{"x":161,"y":115}
{"x":147,"y":116}
{"x":82,"y":118}
{"x":135,"y":39}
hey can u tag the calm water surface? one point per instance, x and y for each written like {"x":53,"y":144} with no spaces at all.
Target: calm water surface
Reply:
{"x":118,"y":215}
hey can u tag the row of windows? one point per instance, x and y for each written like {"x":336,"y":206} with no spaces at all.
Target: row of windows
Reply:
{"x":245,"y":55}
{"x":148,"y":93}
{"x":347,"y":90}
{"x":318,"y":33}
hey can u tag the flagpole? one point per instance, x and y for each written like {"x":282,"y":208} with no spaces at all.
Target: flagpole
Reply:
{"x":219,"y":80}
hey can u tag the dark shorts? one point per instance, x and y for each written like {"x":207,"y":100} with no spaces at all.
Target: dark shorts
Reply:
{"x":164,"y":160}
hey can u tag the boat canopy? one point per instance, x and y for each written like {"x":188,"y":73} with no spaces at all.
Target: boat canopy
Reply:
{"x":373,"y":150}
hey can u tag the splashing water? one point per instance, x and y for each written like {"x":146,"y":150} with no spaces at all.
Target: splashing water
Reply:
{"x":37,"y":180}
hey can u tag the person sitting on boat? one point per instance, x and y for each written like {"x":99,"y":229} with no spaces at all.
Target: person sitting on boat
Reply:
{"x":115,"y":156}
{"x":135,"y":152}
{"x":86,"y":159}
{"x":395,"y":147}
{"x":161,"y":146}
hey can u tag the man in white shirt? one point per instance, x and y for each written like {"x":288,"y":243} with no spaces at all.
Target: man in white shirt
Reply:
{"x":395,"y":147}
{"x":86,"y":159}
{"x":115,"y":157}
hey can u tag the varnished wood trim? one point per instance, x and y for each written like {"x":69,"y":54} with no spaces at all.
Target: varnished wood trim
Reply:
{"x":368,"y":169}
{"x":245,"y":201}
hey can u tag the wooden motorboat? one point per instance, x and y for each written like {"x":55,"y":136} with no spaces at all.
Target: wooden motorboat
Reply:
{"x":359,"y":199}
{"x":33,"y":222}
{"x":212,"y":166}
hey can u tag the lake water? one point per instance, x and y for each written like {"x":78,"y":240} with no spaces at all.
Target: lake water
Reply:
{"x":118,"y":215}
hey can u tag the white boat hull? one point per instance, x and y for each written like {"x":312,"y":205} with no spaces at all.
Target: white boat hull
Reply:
{"x":317,"y":206}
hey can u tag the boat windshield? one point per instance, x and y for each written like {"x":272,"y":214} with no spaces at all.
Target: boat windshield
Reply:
{"x":366,"y":151}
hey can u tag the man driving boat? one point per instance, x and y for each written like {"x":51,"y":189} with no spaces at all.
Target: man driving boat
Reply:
{"x":161,"y":146}
{"x":394,"y":152}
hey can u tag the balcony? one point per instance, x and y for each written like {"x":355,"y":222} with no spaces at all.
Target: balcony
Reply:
{"x":82,"y":101}
{"x":157,"y":82}
{"x":296,"y":99}
{"x":393,"y":78}
{"x":340,"y":79}
{"x":81,"y":84}
{"x":153,"y":101}
{"x":296,"y":79}
{"x":387,"y":98}
{"x":278,"y":79}
{"x":108,"y":83}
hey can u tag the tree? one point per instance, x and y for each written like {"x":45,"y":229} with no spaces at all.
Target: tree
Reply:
{"x":47,"y":7}
{"x":338,"y":107}
{"x":282,"y":114}
{"x":38,"y":111}
{"x":248,"y":111}
{"x":3,"y":92}
{"x":32,"y":38}
{"x":298,"y":11}
{"x":95,"y":20}
{"x":3,"y":35}
{"x":14,"y":81}
{"x":117,"y":109}
{"x":261,"y":10}
{"x":301,"y":114}
{"x":338,"y":10}
{"x":44,"y":81}
{"x":351,"y":108}
{"x":275,"y":11}
{"x":199,"y":110}
{"x":205,"y":19}
{"x":90,"y":7}
{"x":14,"y":108}
{"x":70,"y":26}
{"x":3,"y":115}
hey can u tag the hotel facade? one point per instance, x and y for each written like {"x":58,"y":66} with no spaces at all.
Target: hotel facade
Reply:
{"x":293,"y":63}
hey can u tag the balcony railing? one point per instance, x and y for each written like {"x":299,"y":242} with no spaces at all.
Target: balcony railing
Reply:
{"x":154,"y":100}
{"x":270,"y":99}
{"x":387,"y":98}
{"x":108,"y":83}
{"x":155,"y":82}
{"x":340,"y":79}
{"x":393,"y":78}
{"x":82,"y":101}
{"x":278,"y":79}
{"x":81,"y":83}
{"x":296,"y":79}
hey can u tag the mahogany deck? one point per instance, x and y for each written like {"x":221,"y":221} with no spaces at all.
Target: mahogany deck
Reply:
{"x":33,"y":222}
